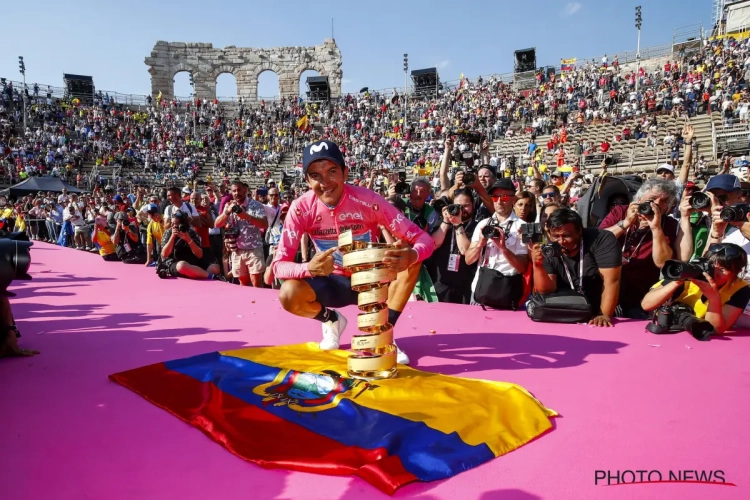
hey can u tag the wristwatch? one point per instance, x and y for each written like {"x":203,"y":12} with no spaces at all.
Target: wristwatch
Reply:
{"x":621,"y":224}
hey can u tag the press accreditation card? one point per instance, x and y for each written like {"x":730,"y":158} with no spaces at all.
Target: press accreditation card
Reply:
{"x":453,"y":261}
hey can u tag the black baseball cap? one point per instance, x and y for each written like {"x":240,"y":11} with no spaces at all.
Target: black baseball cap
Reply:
{"x":502,"y":183}
{"x":321,"y":150}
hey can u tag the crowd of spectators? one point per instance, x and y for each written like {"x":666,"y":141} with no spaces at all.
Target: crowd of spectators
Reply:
{"x":222,"y":230}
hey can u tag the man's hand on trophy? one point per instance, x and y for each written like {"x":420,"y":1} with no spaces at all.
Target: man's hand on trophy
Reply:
{"x":400,"y":257}
{"x":322,"y":263}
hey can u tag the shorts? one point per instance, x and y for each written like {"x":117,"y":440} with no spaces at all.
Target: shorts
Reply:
{"x":173,"y":267}
{"x":80,"y":229}
{"x":246,"y":262}
{"x":333,"y":291}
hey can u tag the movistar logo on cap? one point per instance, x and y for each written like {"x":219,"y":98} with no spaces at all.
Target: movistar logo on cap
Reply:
{"x":320,"y":147}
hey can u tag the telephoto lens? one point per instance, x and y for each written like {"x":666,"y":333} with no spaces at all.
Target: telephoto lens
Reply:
{"x":699,"y":200}
{"x":645,"y":208}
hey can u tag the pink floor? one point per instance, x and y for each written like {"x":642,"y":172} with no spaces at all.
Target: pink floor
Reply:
{"x":69,"y":433}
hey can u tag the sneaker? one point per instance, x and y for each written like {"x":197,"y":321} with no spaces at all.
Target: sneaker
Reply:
{"x":401,"y":357}
{"x":332,"y":331}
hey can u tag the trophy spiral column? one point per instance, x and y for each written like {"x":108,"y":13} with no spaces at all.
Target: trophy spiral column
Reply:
{"x":374,"y":354}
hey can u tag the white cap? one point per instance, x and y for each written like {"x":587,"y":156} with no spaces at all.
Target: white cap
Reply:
{"x":666,"y":166}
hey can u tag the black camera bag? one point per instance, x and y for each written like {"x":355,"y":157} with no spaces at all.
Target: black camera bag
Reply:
{"x":559,"y":307}
{"x":496,"y":290}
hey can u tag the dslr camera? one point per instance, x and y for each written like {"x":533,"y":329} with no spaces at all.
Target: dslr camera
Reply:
{"x":440,"y":203}
{"x":735,"y":213}
{"x":645,"y":208}
{"x":467,"y":158}
{"x":163,"y":269}
{"x":699,"y":200}
{"x":678,"y":317}
{"x":237,"y":209}
{"x":469,"y":177}
{"x":551,"y":250}
{"x":532,"y":233}
{"x":492,"y":230}
{"x":677,"y":270}
{"x":182,"y":221}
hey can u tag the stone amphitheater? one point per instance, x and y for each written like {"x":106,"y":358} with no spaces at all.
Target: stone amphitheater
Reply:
{"x":207,"y":63}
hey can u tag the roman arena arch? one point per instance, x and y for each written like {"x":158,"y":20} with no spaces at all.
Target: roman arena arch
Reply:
{"x":205,"y":63}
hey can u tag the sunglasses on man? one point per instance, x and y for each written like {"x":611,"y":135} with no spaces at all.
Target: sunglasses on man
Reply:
{"x":547,"y":195}
{"x":504,"y":198}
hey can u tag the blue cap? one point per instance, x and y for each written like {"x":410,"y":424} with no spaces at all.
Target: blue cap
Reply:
{"x":117,"y":198}
{"x":321,"y":150}
{"x":727,"y":182}
{"x":152,"y":208}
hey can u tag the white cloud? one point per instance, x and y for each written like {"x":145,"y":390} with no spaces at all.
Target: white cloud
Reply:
{"x":443,"y":64}
{"x":572,"y":8}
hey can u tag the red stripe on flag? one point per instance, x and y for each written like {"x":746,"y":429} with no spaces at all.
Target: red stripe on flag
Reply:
{"x":258,"y":436}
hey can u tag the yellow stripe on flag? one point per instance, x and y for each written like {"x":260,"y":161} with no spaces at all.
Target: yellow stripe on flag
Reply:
{"x":504,"y":416}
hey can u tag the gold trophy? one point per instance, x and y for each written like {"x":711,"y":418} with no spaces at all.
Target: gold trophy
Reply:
{"x":374,"y":354}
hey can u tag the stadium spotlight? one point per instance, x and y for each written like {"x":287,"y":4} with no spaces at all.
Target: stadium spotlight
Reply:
{"x":638,"y":18}
{"x":21,"y":65}
{"x":406,"y":63}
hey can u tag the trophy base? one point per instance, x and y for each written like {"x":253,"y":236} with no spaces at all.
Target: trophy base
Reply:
{"x":369,"y":376}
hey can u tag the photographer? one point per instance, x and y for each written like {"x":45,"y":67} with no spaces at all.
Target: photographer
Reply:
{"x":483,"y":179}
{"x":244,"y":218}
{"x":588,"y":261}
{"x":127,"y":243}
{"x":452,"y":240}
{"x":181,"y":252}
{"x":174,"y":195}
{"x":496,"y":245}
{"x":647,"y":237}
{"x":719,"y":298}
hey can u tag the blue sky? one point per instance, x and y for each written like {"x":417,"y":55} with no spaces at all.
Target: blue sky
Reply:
{"x":109,"y":39}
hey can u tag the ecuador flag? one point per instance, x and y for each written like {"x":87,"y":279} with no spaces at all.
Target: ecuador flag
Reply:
{"x":293,"y":407}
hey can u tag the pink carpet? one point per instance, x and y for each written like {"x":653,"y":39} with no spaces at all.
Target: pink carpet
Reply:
{"x":628,"y":400}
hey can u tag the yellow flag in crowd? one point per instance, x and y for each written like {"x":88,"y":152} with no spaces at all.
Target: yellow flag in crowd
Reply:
{"x":303,"y":123}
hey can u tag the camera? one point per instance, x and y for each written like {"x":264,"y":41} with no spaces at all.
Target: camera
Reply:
{"x":454,"y":210}
{"x":679,"y":317}
{"x":677,"y":270}
{"x":699,"y":200}
{"x":645,"y":208}
{"x":163,"y":269}
{"x":551,"y":250}
{"x":735,"y":213}
{"x":491,"y":230}
{"x":469,"y":177}
{"x":440,"y":203}
{"x":532,"y":233}
{"x":608,"y":160}
{"x":468,"y":136}
{"x":182,"y":221}
{"x":237,"y":209}
{"x":420,"y":222}
{"x":466,"y":158}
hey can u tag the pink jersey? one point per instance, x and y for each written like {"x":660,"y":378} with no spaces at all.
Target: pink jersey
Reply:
{"x":359,"y":210}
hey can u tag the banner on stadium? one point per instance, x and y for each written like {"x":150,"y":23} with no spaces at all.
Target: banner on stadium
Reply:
{"x":567,"y":64}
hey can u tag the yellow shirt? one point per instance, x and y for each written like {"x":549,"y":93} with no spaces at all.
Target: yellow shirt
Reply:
{"x":101,"y":238}
{"x":155,"y":231}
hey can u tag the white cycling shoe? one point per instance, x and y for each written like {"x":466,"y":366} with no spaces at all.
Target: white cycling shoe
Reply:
{"x":332,"y":331}
{"x":401,"y":357}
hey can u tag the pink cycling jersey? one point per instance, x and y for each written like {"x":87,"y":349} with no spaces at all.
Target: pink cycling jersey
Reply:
{"x":359,"y":210}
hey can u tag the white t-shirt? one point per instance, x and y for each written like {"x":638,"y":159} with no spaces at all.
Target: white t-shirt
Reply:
{"x":493,"y":257}
{"x":187,"y":208}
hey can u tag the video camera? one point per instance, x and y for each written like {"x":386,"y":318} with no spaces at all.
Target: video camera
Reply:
{"x":183,"y":224}
{"x":532,"y":233}
{"x":678,"y":317}
{"x":469,"y":136}
{"x":467,"y":158}
{"x":677,"y":270}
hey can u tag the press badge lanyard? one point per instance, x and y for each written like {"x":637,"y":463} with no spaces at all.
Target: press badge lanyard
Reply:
{"x":580,"y":270}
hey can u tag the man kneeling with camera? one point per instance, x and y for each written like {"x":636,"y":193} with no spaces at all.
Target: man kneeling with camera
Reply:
{"x":181,"y":252}
{"x":703,"y":297}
